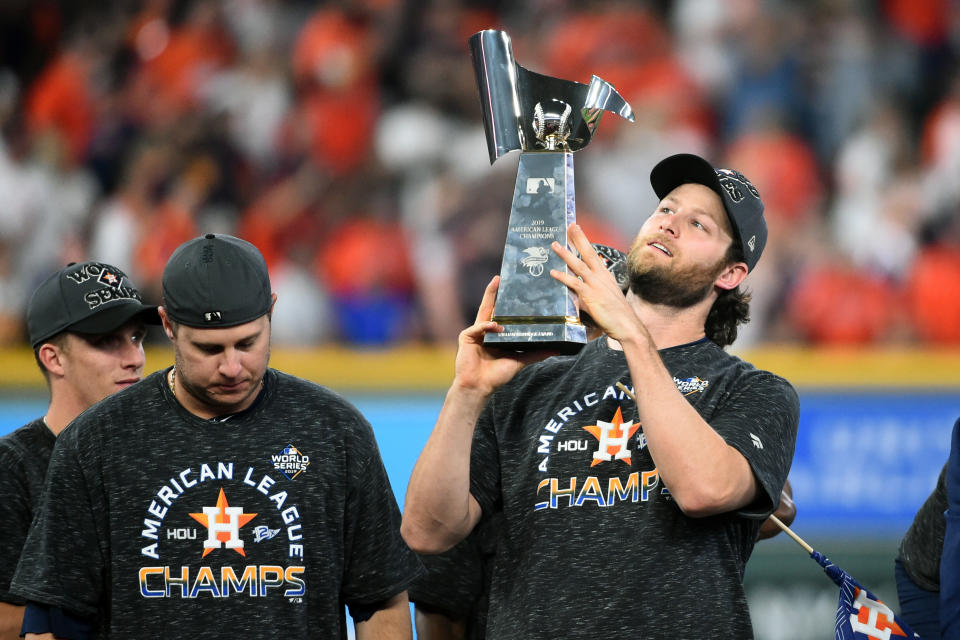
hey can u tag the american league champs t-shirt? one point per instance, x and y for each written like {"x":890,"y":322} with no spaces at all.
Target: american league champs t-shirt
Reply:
{"x":261,"y":525}
{"x":24,"y":456}
{"x":592,"y":545}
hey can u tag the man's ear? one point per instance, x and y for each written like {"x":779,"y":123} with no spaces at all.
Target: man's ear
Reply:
{"x":51,"y":357}
{"x":273,"y":303}
{"x":165,"y":321}
{"x":732,"y":276}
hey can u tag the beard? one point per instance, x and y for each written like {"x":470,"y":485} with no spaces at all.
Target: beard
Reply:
{"x":213,"y":402}
{"x":659,"y":284}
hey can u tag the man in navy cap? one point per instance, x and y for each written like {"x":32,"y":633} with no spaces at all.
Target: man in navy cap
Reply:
{"x":632,"y":478}
{"x":219,"y":498}
{"x":86,"y":324}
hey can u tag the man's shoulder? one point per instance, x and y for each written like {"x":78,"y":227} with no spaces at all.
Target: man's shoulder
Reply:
{"x":751,"y":372}
{"x":27,"y":441}
{"x":735,"y":377}
{"x":302,"y":389}
{"x":299,"y":395}
{"x":730,"y":364}
{"x":289,"y":381}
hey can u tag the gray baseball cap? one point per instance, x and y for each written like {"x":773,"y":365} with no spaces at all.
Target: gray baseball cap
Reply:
{"x":85,"y":297}
{"x":740,"y":198}
{"x":616,"y":263}
{"x":216,"y":281}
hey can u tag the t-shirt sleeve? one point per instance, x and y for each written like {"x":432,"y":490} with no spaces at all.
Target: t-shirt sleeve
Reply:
{"x":453,"y":580}
{"x":760,"y":421}
{"x":15,"y":514}
{"x":377,"y":562}
{"x":63,"y":560}
{"x":485,"y":462}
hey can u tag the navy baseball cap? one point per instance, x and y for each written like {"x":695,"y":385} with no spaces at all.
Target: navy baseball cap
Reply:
{"x":740,"y":198}
{"x":85,"y":297}
{"x":216,"y":281}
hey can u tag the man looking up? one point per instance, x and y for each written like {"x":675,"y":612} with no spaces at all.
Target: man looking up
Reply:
{"x":622,"y":519}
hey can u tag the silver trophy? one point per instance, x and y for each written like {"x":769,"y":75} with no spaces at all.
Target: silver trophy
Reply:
{"x":547,"y":119}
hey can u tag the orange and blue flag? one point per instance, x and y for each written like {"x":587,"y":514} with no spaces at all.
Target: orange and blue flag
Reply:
{"x":860,"y":614}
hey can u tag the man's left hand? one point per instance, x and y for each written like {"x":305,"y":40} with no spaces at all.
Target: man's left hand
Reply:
{"x":596,"y":288}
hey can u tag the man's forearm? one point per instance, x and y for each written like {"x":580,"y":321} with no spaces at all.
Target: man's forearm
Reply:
{"x":432,"y":625}
{"x":439,"y":510}
{"x":389,"y":623}
{"x":704,"y":474}
{"x":11,"y":618}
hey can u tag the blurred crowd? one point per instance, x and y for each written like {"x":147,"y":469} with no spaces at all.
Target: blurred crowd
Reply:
{"x":345,"y":140}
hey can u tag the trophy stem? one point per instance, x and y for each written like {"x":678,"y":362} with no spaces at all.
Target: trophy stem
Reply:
{"x":537,"y":311}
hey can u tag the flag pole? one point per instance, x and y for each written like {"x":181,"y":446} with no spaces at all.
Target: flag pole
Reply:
{"x":790,"y":533}
{"x":773,"y":518}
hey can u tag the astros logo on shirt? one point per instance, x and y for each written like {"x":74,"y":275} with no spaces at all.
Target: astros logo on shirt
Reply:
{"x":614,"y":437}
{"x":223,"y":524}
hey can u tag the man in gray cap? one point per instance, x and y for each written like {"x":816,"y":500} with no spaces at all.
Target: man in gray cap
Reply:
{"x":219,"y":498}
{"x":628,"y":512}
{"x":86,"y":324}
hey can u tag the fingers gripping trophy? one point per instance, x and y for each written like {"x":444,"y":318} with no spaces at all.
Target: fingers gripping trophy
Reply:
{"x":547,"y":119}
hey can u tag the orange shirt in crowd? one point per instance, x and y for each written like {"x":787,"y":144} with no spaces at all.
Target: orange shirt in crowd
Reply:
{"x":366,"y":256}
{"x":836,"y":304}
{"x":933,"y":288}
{"x":60,"y":99}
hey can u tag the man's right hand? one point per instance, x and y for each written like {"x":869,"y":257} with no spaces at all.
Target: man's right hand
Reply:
{"x":481,"y":369}
{"x":439,"y":510}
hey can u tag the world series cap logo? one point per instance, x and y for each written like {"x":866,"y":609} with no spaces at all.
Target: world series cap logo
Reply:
{"x":734,"y":182}
{"x":110,"y":279}
{"x":87,"y":276}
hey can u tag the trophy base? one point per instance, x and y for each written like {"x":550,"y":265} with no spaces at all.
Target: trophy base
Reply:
{"x":564,"y":337}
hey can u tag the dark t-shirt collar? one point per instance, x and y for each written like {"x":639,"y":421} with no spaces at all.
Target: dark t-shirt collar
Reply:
{"x":606,"y":345}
